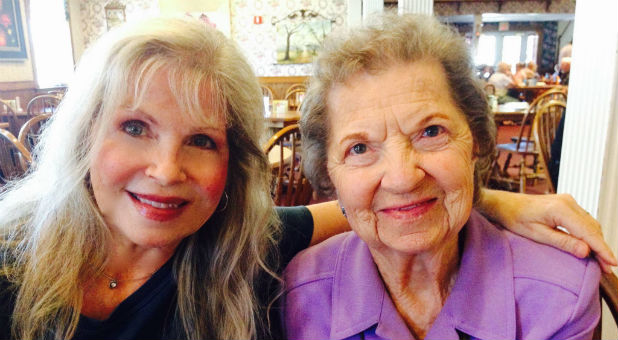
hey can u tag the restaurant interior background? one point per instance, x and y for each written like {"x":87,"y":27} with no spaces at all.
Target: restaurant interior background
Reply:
{"x":56,"y":33}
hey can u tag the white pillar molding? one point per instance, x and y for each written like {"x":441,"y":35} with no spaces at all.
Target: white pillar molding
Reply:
{"x":371,"y":7}
{"x":415,"y":6}
{"x":355,"y":13}
{"x":591,"y":104}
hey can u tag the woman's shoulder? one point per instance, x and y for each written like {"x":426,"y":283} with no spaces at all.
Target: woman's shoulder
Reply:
{"x":534,"y":261}
{"x":554,"y":294}
{"x":556,"y":287}
{"x":317,"y":262}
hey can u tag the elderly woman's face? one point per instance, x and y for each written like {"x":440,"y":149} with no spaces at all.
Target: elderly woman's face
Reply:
{"x":159,"y":175}
{"x":400,"y":155}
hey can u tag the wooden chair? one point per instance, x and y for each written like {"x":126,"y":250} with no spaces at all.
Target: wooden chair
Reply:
{"x":293,"y":87}
{"x":14,"y":158}
{"x":608,"y":289}
{"x":42,"y":104}
{"x":545,"y":126}
{"x":30,"y":131}
{"x":523,"y":148}
{"x":295,"y":98}
{"x":290,"y":186}
{"x":8,"y":115}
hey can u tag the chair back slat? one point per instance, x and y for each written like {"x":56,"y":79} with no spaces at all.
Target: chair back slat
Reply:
{"x":8,"y":115}
{"x":14,"y":158}
{"x":30,"y":131}
{"x":290,"y":186}
{"x":545,"y":126}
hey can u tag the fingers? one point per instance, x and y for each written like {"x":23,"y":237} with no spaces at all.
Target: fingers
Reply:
{"x":606,"y":267}
{"x":560,"y":240}
{"x":583,"y":226}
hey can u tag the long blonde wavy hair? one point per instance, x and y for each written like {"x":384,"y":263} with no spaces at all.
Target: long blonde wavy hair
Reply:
{"x":53,"y":237}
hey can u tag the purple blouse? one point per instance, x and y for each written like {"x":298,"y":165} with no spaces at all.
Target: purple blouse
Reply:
{"x":508,"y":287}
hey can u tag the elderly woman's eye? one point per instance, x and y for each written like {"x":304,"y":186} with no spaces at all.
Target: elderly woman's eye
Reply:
{"x":134,"y":127}
{"x":358,"y":149}
{"x":202,"y":141}
{"x":432,"y":131}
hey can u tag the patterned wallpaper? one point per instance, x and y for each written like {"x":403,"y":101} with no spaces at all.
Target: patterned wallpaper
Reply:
{"x":254,"y":40}
{"x":258,"y":41}
{"x":556,"y":6}
{"x":92,"y":15}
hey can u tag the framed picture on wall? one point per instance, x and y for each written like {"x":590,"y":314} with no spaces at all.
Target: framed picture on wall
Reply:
{"x":115,"y":14}
{"x":12,"y":45}
{"x":299,"y":35}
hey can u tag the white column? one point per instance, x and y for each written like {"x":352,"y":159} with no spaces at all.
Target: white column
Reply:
{"x":591,"y":105}
{"x":355,"y":13}
{"x":372,"y":6}
{"x":415,"y":6}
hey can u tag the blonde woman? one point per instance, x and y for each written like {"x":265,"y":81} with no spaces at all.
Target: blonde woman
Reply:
{"x":148,"y":214}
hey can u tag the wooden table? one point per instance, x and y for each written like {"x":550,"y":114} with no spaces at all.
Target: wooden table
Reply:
{"x":531,"y":92}
{"x":513,"y":111}
{"x":291,"y":117}
{"x":515,"y":116}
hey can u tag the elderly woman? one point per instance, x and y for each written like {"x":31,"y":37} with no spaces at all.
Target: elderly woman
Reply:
{"x":412,"y":139}
{"x":148,"y":213}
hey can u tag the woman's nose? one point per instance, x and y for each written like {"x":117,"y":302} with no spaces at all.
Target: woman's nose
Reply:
{"x":166,"y":168}
{"x":402,"y":172}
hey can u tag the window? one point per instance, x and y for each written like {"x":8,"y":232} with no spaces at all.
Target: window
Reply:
{"x":509,"y":46}
{"x":486,"y":50}
{"x":51,"y":42}
{"x":531,"y":47}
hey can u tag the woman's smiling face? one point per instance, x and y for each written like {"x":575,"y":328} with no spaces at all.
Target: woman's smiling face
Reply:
{"x":400,"y":155}
{"x":158,"y":175}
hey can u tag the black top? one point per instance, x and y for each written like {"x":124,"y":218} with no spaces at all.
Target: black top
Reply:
{"x":149,"y":312}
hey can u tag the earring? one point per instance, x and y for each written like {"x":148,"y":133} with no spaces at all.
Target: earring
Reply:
{"x":343,"y":212}
{"x":227,"y":198}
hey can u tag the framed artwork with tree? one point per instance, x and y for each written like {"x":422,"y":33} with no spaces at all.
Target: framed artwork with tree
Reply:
{"x":299,"y":35}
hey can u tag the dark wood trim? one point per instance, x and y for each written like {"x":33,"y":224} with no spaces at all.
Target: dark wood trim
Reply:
{"x":17,"y":85}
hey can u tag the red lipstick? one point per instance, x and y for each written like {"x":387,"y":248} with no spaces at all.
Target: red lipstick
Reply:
{"x":158,"y":208}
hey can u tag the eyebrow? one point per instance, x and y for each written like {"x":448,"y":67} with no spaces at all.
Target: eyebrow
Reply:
{"x":209,"y":127}
{"x":354,"y":136}
{"x":365,"y":136}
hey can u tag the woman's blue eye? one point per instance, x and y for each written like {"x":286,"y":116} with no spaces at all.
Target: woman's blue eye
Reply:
{"x":202,"y":141}
{"x":432,"y":131}
{"x":134,"y":127}
{"x":359,"y":148}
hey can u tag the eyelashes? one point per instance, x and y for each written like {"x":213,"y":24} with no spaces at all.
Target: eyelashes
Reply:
{"x":134,"y":127}
{"x":138,"y":128}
